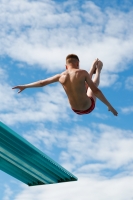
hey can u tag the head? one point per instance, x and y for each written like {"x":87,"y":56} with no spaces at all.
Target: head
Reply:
{"x":72,"y":60}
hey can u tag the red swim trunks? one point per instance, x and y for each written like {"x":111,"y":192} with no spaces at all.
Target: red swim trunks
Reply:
{"x":80,"y":112}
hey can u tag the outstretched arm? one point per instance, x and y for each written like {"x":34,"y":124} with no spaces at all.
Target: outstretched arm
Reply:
{"x":40,"y":83}
{"x":100,"y":95}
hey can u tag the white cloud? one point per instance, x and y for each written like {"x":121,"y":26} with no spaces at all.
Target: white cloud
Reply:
{"x":7,"y":193}
{"x":44,"y":33}
{"x":46,"y":138}
{"x":87,"y":150}
{"x":86,"y":188}
{"x":100,"y":115}
{"x":92,"y":154}
{"x":129,"y":83}
{"x":127,"y":110}
{"x":108,"y":79}
{"x":49,"y":105}
{"x":107,"y":145}
{"x":117,"y":85}
{"x":100,"y":156}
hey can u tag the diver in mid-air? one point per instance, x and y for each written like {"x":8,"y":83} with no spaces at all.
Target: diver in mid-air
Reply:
{"x":81,"y":90}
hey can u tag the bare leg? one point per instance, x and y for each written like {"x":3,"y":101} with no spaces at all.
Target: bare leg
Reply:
{"x":92,"y":71}
{"x":96,"y":79}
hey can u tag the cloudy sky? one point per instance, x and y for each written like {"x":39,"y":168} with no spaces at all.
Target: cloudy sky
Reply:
{"x":35,"y":38}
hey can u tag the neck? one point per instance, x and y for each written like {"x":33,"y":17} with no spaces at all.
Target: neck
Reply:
{"x":71,"y":66}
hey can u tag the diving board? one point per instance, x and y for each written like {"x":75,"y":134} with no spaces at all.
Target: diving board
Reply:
{"x":28,"y":164}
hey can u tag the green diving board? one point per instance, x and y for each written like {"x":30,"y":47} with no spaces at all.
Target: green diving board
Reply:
{"x":28,"y":164}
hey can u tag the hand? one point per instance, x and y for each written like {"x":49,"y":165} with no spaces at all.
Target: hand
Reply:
{"x":20,"y":87}
{"x":97,"y":64}
{"x":113,"y":110}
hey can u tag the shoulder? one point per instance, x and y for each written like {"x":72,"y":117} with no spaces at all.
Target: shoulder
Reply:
{"x":83,"y":72}
{"x":64,"y":73}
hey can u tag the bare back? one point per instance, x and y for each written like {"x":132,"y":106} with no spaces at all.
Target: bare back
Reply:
{"x":73,"y":82}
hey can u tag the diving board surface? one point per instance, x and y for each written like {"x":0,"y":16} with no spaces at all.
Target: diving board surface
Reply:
{"x":28,"y":164}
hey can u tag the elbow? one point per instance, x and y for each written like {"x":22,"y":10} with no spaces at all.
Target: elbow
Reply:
{"x":41,"y":83}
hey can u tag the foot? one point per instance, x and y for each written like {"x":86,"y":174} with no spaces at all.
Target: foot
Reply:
{"x":94,"y":66}
{"x":99,"y":65}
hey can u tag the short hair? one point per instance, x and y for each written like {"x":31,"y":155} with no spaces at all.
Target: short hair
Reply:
{"x":71,"y":58}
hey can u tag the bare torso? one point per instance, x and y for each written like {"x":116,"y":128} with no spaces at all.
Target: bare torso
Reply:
{"x":73,"y":82}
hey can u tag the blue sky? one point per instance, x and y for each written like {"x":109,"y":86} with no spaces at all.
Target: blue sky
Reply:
{"x":35,"y":38}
